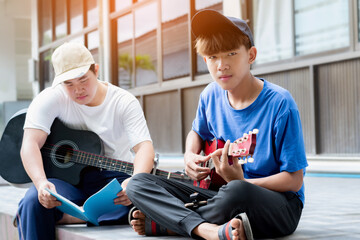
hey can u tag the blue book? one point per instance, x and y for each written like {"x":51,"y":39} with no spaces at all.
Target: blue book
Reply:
{"x":96,"y":205}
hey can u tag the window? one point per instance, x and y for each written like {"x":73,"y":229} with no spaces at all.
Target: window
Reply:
{"x":76,"y":16}
{"x":175,"y":38}
{"x":60,"y":19}
{"x":121,"y":4}
{"x":47,"y":70}
{"x":92,"y":12}
{"x":321,"y":25}
{"x":206,"y":4}
{"x":146,"y":44}
{"x":45,"y":22}
{"x":316,"y":26}
{"x":125,"y":35}
{"x":273,"y":30}
{"x":93,"y":44}
{"x":65,"y":18}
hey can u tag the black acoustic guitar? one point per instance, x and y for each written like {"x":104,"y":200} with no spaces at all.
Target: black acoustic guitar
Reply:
{"x":66,"y":153}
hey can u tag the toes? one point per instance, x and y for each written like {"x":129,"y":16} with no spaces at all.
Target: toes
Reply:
{"x":239,"y":231}
{"x":137,"y":222}
{"x":138,"y":214}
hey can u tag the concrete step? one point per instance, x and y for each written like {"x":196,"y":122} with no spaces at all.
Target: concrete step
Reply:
{"x":10,"y":197}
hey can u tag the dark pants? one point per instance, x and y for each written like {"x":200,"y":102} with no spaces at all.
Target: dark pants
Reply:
{"x":271,"y":214}
{"x":36,"y":222}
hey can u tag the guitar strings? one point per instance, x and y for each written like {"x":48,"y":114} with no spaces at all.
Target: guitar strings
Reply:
{"x":89,"y":158}
{"x":101,"y":161}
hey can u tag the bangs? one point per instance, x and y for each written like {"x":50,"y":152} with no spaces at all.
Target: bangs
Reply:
{"x":221,"y":42}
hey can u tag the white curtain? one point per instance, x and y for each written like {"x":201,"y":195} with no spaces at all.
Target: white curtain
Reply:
{"x":273,"y":30}
{"x":321,"y":25}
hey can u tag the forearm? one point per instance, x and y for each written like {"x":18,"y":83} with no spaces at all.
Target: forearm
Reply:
{"x":193,"y":143}
{"x":32,"y":161}
{"x":281,"y":182}
{"x":144,"y":157}
{"x":33,"y":140}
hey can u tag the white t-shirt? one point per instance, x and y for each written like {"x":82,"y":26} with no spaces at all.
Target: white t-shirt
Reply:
{"x":119,"y":121}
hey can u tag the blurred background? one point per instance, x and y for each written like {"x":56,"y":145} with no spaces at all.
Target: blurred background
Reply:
{"x":310,"y":47}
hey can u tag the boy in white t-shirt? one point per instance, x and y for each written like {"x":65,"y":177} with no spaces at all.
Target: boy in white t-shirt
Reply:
{"x":80,"y":101}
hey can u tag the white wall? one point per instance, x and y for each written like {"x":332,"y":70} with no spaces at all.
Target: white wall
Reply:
{"x":15,"y":50}
{"x":7,"y":57}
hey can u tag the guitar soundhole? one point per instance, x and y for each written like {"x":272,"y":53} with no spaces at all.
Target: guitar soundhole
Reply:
{"x":63,"y":153}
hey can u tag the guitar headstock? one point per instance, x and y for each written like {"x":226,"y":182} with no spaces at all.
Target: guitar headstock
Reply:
{"x":244,"y":147}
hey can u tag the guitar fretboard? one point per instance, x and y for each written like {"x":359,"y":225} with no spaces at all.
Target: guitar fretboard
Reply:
{"x":104,"y":162}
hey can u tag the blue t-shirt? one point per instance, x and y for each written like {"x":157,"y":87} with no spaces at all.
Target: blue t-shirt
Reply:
{"x":279,"y":143}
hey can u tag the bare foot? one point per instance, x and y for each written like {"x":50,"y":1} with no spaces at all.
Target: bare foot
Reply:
{"x":209,"y":231}
{"x":238,"y":232}
{"x":68,"y":219}
{"x":138,"y":224}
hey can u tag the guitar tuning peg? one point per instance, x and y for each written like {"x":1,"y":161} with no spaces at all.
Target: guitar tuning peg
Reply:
{"x":250,"y":160}
{"x":241,"y":161}
{"x":250,"y":132}
{"x":255,"y":131}
{"x":245,"y":134}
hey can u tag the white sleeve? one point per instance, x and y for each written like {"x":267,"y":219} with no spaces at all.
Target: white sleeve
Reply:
{"x":43,"y":110}
{"x":135,"y":124}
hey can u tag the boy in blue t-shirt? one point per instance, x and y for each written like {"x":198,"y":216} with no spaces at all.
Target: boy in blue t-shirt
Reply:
{"x":263,"y":199}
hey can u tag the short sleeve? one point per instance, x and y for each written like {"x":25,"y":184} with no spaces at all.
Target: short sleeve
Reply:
{"x":43,"y":110}
{"x":200,"y":123}
{"x":289,"y":142}
{"x":135,"y":124}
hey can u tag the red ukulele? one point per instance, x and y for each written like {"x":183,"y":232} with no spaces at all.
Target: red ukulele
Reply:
{"x":239,"y":150}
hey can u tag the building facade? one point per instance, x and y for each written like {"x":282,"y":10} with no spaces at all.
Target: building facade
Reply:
{"x":310,"y":47}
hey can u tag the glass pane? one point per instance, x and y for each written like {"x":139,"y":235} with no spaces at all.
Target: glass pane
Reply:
{"x":93,"y":44}
{"x":145,"y":44}
{"x":273,"y":30}
{"x":92,"y":12}
{"x":79,"y":39}
{"x":321,"y":25}
{"x":45,"y":22}
{"x":121,"y":4}
{"x":47,"y":70}
{"x":76,"y":16}
{"x":209,"y":4}
{"x":60,"y":21}
{"x":175,"y":39}
{"x":201,"y":65}
{"x":125,"y":35}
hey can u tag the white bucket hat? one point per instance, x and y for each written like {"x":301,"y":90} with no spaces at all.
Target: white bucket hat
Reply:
{"x":70,"y":60}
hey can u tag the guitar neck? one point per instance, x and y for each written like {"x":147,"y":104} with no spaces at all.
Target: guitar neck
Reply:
{"x":103,"y":162}
{"x":118,"y":165}
{"x":174,"y":175}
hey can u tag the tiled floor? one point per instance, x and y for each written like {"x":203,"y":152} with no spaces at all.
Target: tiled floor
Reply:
{"x":332,"y":211}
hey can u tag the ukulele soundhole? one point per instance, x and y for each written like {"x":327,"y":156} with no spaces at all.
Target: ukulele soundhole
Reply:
{"x":62,"y":154}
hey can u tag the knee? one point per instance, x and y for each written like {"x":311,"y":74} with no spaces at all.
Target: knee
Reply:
{"x":135,"y":184}
{"x":236,"y":193}
{"x":30,"y":202}
{"x":238,"y":186}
